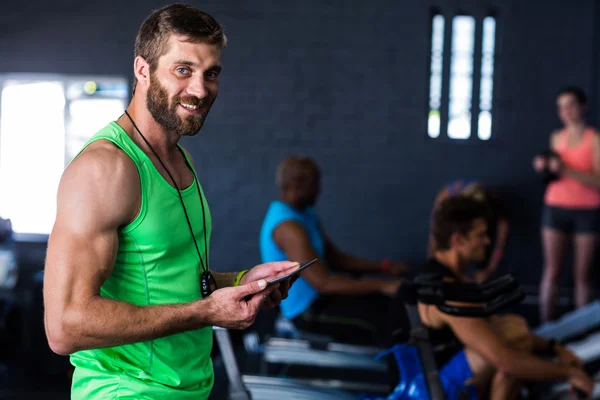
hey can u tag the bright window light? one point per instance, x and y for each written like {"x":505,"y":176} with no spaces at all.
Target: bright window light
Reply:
{"x":484,"y":129}
{"x":44,"y":123}
{"x":435,"y":79}
{"x":88,"y":116}
{"x":32,"y":137}
{"x":461,"y":77}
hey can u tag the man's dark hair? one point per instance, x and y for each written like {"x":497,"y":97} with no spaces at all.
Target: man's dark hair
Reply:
{"x":456,"y":214}
{"x":178,"y":19}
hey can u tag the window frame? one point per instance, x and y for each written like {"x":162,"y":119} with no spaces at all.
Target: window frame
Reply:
{"x":65,"y":80}
{"x":479,"y":17}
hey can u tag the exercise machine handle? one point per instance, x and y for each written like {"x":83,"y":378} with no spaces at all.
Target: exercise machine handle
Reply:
{"x":494,"y":306}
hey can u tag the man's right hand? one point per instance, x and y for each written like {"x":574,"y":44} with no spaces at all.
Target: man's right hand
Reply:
{"x":580,"y":380}
{"x":236,"y":307}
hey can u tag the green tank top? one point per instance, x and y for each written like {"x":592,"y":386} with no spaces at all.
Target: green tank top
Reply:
{"x":157,"y":263}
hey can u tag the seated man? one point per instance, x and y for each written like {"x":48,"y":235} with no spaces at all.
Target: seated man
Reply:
{"x":496,"y":218}
{"x":347,"y":309}
{"x":497,"y":355}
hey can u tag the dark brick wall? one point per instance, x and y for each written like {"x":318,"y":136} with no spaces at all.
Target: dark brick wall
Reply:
{"x":345,"y":82}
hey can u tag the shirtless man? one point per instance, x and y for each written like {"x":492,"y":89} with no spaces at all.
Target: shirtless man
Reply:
{"x":497,"y":355}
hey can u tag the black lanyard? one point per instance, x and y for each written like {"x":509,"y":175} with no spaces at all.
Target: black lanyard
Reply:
{"x":205,"y":269}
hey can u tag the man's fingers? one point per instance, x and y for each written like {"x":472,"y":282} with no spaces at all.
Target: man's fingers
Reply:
{"x":256,"y":302}
{"x":284,"y":288}
{"x":268,"y":304}
{"x":276,"y":296}
{"x":252,"y":288}
{"x":283,"y":266}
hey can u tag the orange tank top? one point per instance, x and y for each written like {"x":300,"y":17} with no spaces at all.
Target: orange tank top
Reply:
{"x":568,"y":192}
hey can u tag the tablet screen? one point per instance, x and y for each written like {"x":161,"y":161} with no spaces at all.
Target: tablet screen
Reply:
{"x":295,"y":272}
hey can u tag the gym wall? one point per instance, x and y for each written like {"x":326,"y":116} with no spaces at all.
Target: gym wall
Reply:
{"x":348,"y":85}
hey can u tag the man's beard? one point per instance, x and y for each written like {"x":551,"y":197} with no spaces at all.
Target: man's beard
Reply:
{"x":165,"y":114}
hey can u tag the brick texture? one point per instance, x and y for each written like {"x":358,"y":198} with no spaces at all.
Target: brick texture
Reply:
{"x":345,"y":82}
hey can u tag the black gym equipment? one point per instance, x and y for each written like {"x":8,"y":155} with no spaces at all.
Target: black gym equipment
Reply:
{"x":546,"y":175}
{"x":483,"y":300}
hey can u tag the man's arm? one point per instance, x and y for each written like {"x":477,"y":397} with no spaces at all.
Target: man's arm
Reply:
{"x":341,"y":260}
{"x":476,"y":334}
{"x":502,"y":230}
{"x":293,"y":239}
{"x":551,"y":348}
{"x":338,"y":259}
{"x":224,"y":279}
{"x":99,"y":192}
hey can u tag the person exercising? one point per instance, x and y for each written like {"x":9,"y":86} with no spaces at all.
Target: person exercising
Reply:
{"x":348,"y":309}
{"x":128,"y":289}
{"x":497,"y":354}
{"x":497,"y":220}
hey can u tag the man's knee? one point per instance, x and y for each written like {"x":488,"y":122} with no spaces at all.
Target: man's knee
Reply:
{"x":505,"y":383}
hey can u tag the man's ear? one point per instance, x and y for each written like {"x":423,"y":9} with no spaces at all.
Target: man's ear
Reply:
{"x":141,"y":69}
{"x":456,"y":240}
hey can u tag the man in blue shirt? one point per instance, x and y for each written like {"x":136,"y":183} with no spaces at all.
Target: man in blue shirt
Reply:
{"x":348,"y":309}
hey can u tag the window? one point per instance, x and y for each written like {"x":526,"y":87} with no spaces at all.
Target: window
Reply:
{"x":435,"y":80}
{"x":484,"y":130}
{"x":461,"y":77}
{"x":451,"y":114}
{"x":44,"y":122}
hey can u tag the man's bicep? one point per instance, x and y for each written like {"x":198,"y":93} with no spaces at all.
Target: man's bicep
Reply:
{"x":77,"y":263}
{"x":82,"y":247}
{"x":292,"y":238}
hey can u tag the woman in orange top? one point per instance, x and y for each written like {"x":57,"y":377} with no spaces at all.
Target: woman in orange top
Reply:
{"x":572,"y":202}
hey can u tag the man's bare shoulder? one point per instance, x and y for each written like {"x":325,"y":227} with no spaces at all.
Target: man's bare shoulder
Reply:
{"x":102,"y":177}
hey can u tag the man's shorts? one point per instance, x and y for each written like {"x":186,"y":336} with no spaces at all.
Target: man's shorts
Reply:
{"x":454,"y":375}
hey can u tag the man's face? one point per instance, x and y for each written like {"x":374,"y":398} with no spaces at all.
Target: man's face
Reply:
{"x":472,"y":247}
{"x":308,"y":188}
{"x":184,"y":85}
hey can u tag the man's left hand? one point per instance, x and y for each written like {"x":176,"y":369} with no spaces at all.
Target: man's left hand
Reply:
{"x":567,"y":357}
{"x":270,"y":271}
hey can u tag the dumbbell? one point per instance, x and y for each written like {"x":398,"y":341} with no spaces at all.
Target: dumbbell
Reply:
{"x":546,"y":175}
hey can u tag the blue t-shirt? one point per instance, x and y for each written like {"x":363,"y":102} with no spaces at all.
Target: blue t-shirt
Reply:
{"x":301,"y":294}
